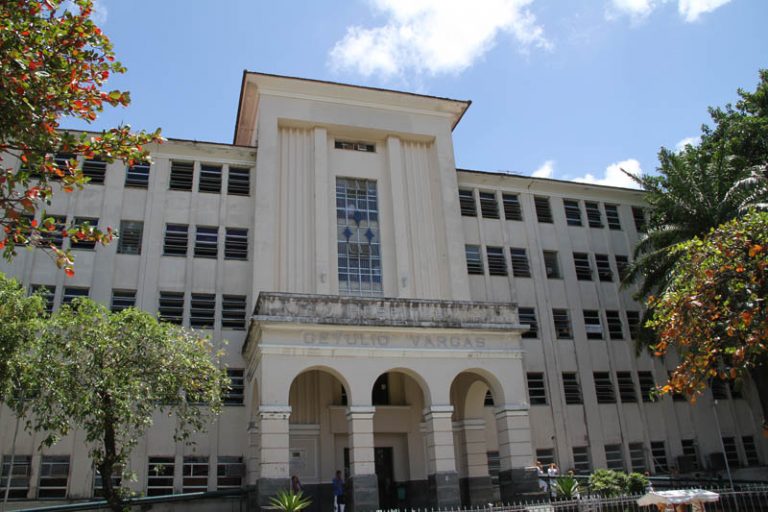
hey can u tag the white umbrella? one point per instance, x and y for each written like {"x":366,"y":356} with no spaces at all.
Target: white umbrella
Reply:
{"x":678,"y":497}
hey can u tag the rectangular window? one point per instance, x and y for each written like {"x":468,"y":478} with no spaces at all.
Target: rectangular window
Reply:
{"x":236,"y":244}
{"x":474,"y":259}
{"x":160,"y":476}
{"x":497,"y":264}
{"x":583,"y":267}
{"x":467,"y":203}
{"x":176,"y":240}
{"x":355,"y":146}
{"x":691,"y":451}
{"x":612,"y":216}
{"x":604,"y":388}
{"x":206,"y":242}
{"x":659,"y":454}
{"x":488,"y":205}
{"x":137,"y":175}
{"x":20,"y":475}
{"x":359,"y":244}
{"x":202,"y":311}
{"x":633,"y":323}
{"x":552,"y":265}
{"x":171,"y":307}
{"x":638,"y":214}
{"x":647,"y":385}
{"x":615,"y":329}
{"x":622,"y":265}
{"x":235,"y":393}
{"x":546,"y":456}
{"x":54,"y":475}
{"x":627,"y":392}
{"x":637,"y":457}
{"x":71,"y":293}
{"x":195,"y":474}
{"x":63,"y":161}
{"x":182,"y":175}
{"x":572,"y":212}
{"x":131,"y":232}
{"x":563,"y":330}
{"x":571,"y":388}
{"x":210,"y":178}
{"x":48,"y":292}
{"x":239,"y":183}
{"x":594,"y":216}
{"x":581,"y":460}
{"x":537,"y":392}
{"x":512,"y":209}
{"x":98,"y":482}
{"x":528,"y":317}
{"x":233,"y":312}
{"x":543,"y":210}
{"x":717,"y":387}
{"x":592,"y":324}
{"x":95,"y":169}
{"x":731,"y":453}
{"x":614,"y":459}
{"x":750,"y":450}
{"x":85,"y":245}
{"x":122,"y":299}
{"x":229,"y":472}
{"x":520,"y":266}
{"x":54,"y":237}
{"x":603,"y":264}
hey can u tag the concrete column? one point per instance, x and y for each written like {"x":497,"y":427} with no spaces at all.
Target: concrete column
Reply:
{"x":363,"y":486}
{"x":441,"y":457}
{"x":516,"y":475}
{"x":476,"y":483}
{"x":273,"y":451}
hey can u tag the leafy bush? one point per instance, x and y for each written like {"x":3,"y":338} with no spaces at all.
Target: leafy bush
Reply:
{"x":637,"y":483}
{"x":607,"y":482}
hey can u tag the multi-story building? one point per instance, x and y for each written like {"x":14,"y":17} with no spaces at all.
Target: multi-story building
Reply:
{"x":430,"y":331}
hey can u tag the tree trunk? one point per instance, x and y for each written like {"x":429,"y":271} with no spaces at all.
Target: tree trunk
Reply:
{"x":759,"y":376}
{"x":107,"y":466}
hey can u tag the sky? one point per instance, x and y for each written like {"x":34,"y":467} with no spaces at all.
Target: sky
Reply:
{"x":565,"y":89}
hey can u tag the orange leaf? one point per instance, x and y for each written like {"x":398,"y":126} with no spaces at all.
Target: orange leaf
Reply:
{"x":69,"y":271}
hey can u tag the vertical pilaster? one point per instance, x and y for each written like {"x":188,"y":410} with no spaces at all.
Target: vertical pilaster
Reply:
{"x":363,"y":487}
{"x":476,"y":482}
{"x":273,"y":450}
{"x":516,"y":475}
{"x":441,"y":457}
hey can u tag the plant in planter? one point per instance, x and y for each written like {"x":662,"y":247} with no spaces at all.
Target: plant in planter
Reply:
{"x":288,"y":501}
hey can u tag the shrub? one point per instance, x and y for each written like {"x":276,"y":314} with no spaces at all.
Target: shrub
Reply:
{"x":607,"y":482}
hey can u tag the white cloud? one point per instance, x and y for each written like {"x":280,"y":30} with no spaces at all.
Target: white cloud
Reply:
{"x":689,"y":10}
{"x":434,"y":36}
{"x":547,"y":170}
{"x":614,"y":176}
{"x":685,"y":142}
{"x":100,"y":12}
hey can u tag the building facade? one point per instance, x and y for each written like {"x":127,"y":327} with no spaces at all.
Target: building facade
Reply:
{"x":427,"y":330}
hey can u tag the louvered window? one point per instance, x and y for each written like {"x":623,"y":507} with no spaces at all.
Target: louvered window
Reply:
{"x":633,"y":323}
{"x":614,"y":459}
{"x":51,"y":232}
{"x":122,"y":299}
{"x":54,"y":476}
{"x":520,"y":266}
{"x":552,"y":265}
{"x":581,"y":460}
{"x":195,"y":474}
{"x":131,"y":232}
{"x":171,"y":307}
{"x":659,"y":454}
{"x":543,"y":210}
{"x":488,"y":205}
{"x":202,"y":311}
{"x":622,"y":265}
{"x":239,"y":183}
{"x":592,"y":324}
{"x":467,"y":203}
{"x":537,"y":392}
{"x":497,"y":264}
{"x":627,"y":392}
{"x":229,"y":471}
{"x":528,"y":317}
{"x":176,"y":240}
{"x":20,"y":476}
{"x":235,"y":393}
{"x":210,"y":178}
{"x":95,"y":169}
{"x":750,"y":450}
{"x":474,"y":259}
{"x":82,"y":244}
{"x":47,"y":292}
{"x":638,"y":214}
{"x":731,"y":452}
{"x":612,"y":216}
{"x":236,"y":244}
{"x":604,"y":272}
{"x":137,"y":175}
{"x":583,"y":268}
{"x":604,"y":388}
{"x":182,"y":175}
{"x":206,"y":242}
{"x":594,"y":217}
{"x":637,"y":457}
{"x":233,"y":313}
{"x":572,"y":212}
{"x":571,"y":388}
{"x":512,"y":209}
{"x":615,"y":329}
{"x":71,"y":293}
{"x":563,"y":330}
{"x":160,"y":476}
{"x":647,"y":385}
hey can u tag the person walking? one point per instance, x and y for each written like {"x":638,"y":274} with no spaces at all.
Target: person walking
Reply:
{"x":338,"y":493}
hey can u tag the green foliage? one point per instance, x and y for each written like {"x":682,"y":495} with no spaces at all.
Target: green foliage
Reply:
{"x":714,"y":312}
{"x":288,"y":501}
{"x":109,"y":373}
{"x":566,"y":487}
{"x":21,"y":316}
{"x":637,"y":483}
{"x":608,"y":482}
{"x":55,"y":64}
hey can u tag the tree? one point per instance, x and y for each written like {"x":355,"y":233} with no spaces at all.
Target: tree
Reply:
{"x":107,"y":373}
{"x":20,"y":323}
{"x":714,"y":312}
{"x":55,"y":64}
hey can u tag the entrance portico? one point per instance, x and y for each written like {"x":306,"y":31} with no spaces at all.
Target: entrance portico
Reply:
{"x":391,"y":391}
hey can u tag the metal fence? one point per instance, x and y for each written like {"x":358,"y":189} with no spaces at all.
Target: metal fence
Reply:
{"x":754,"y":499}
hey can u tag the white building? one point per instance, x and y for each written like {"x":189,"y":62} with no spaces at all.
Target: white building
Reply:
{"x":391,"y":296}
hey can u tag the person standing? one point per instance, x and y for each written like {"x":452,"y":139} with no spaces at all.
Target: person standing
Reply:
{"x":295,"y":484}
{"x":338,"y":493}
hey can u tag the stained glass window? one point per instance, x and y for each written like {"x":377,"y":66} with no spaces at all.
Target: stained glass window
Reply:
{"x":359,"y":246}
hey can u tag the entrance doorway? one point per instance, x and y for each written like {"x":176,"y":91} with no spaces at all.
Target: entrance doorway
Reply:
{"x":385,"y":474}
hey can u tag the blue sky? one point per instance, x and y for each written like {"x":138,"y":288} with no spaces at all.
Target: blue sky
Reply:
{"x":569,"y":89}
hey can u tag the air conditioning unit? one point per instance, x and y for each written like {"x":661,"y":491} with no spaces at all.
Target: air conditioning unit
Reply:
{"x":717,"y":461}
{"x":687,"y":463}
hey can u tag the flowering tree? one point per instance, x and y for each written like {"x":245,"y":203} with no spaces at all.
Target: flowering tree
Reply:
{"x":714,"y":313}
{"x":55,"y":64}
